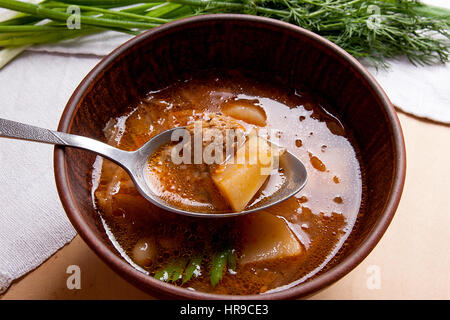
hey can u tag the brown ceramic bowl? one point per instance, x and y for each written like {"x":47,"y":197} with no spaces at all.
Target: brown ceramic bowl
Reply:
{"x":171,"y":51}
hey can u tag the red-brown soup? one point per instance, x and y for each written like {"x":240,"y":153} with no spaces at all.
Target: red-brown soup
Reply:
{"x":260,"y":252}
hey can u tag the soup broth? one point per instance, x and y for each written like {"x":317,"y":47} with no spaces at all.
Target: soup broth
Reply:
{"x":260,"y":252}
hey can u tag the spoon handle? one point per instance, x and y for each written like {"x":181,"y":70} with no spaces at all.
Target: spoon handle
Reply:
{"x":17,"y":130}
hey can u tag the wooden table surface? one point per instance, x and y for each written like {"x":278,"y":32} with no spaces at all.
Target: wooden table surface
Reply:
{"x":412,"y":260}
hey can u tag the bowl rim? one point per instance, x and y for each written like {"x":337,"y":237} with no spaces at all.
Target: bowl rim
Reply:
{"x":149,"y":284}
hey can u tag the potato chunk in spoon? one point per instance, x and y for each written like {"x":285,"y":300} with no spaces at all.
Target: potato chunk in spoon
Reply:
{"x":240,"y":178}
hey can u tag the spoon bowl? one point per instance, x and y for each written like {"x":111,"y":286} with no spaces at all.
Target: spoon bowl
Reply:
{"x":135,"y":163}
{"x":295,"y":172}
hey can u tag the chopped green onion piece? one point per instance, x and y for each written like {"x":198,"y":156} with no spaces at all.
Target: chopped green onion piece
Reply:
{"x":219,"y":264}
{"x":231,"y":260}
{"x":192,"y":269}
{"x":172,"y":272}
{"x":178,"y":269}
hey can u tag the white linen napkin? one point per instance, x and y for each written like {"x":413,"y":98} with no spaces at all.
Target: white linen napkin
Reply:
{"x":34,"y":89}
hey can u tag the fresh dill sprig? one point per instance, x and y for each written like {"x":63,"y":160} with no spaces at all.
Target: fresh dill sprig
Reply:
{"x":374,"y":29}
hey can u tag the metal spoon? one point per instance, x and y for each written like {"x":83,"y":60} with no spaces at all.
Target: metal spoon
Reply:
{"x":135,"y":163}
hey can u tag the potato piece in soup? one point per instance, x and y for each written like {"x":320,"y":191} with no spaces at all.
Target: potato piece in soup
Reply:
{"x":265,"y":237}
